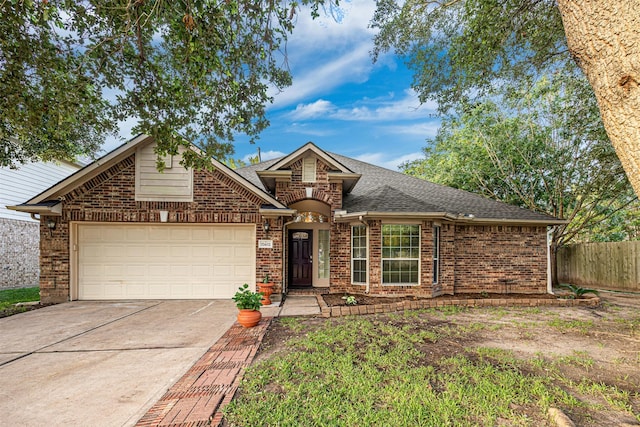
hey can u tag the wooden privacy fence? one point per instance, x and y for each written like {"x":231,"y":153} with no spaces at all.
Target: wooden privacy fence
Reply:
{"x":610,"y":265}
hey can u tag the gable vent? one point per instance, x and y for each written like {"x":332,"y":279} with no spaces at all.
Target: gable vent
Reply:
{"x":309,"y":169}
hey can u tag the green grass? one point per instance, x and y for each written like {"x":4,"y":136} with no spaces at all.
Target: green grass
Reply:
{"x":582,"y":326}
{"x":9,"y":297}
{"x":367,"y":371}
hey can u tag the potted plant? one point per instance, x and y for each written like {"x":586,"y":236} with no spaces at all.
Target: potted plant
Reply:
{"x":248,"y":303}
{"x":266,"y":289}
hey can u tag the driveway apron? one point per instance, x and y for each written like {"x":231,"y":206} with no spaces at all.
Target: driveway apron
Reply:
{"x":101,"y":363}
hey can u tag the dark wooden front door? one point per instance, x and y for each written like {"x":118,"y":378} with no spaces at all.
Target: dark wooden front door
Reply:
{"x":300,"y":257}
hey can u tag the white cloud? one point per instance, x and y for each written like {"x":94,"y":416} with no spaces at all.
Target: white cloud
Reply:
{"x":382,"y":159}
{"x":310,"y":111}
{"x":352,"y":66}
{"x":425,"y":129}
{"x":380,"y":109}
{"x":405,"y":108}
{"x":325,"y":53}
{"x":310,"y":130}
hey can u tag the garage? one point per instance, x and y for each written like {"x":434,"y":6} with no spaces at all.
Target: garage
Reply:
{"x":163,"y":261}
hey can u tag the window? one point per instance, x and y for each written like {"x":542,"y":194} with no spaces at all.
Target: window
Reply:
{"x":400,"y":254}
{"x":436,"y":254}
{"x":323,"y":254}
{"x":359,"y":254}
{"x":309,"y":169}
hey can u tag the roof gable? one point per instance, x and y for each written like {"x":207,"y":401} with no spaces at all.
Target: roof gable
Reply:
{"x":286,"y":161}
{"x":385,"y":193}
{"x":281,"y":168}
{"x":120,"y":153}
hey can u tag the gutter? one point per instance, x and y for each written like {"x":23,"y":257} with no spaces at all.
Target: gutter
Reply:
{"x":47,"y":210}
{"x":461,"y":218}
{"x":284,"y":252}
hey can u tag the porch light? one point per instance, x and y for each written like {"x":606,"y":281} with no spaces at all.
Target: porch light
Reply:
{"x":51,"y":225}
{"x":266,"y":226}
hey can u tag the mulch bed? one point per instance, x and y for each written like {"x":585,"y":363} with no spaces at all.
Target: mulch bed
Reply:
{"x":336,"y":300}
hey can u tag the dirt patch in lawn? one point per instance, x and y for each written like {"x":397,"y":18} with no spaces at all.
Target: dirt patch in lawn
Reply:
{"x":592,"y":353}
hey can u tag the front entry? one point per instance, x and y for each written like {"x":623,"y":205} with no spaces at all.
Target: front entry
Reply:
{"x":300,"y":258}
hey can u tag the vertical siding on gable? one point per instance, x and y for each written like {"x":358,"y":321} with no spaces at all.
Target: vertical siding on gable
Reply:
{"x":173,"y":184}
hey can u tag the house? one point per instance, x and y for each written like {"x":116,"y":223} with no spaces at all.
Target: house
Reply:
{"x":119,"y":229}
{"x":19,"y":232}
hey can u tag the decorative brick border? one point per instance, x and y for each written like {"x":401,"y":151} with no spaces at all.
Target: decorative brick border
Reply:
{"x":197,"y":399}
{"x":326,"y":311}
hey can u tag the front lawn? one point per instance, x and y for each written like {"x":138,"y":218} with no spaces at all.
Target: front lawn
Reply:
{"x":10,"y":297}
{"x":431,"y":368}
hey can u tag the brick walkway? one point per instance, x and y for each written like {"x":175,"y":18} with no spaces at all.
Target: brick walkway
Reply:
{"x":198,"y":397}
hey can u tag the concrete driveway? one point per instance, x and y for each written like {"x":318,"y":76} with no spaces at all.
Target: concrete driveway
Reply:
{"x":101,"y":363}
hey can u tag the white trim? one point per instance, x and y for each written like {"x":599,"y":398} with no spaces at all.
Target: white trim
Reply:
{"x":419,"y":258}
{"x":343,"y":216}
{"x":309,"y":170}
{"x":309,"y":146}
{"x":125,"y":150}
{"x":437,"y":233}
{"x":366,"y":258}
{"x":89,"y":171}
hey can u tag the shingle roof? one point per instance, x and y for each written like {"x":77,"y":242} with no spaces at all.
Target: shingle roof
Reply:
{"x":384,"y":190}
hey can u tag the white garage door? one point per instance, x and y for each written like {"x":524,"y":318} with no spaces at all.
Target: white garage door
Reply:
{"x":164,"y":261}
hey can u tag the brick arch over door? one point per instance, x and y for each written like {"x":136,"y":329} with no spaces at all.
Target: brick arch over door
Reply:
{"x":301,"y":195}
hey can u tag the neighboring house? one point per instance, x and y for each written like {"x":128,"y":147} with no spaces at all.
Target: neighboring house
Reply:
{"x":19,"y":232}
{"x":123,"y":230}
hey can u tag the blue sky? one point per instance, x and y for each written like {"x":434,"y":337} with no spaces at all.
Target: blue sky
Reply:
{"x":339,"y":99}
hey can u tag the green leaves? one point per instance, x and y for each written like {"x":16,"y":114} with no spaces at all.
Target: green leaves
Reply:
{"x":543,"y":148}
{"x":69,"y":71}
{"x":462,"y":49}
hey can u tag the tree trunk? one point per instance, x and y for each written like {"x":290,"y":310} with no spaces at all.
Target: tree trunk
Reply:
{"x":604,"y":38}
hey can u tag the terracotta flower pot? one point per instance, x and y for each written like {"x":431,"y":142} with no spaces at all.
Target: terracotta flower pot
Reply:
{"x":249,"y":318}
{"x":267,"y":290}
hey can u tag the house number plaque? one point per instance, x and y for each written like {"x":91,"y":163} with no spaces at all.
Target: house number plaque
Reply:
{"x":265,"y":244}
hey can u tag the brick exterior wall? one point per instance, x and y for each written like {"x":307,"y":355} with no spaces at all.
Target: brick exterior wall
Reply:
{"x":473,"y":259}
{"x":500,"y":259}
{"x":19,"y":253}
{"x":110,"y":197}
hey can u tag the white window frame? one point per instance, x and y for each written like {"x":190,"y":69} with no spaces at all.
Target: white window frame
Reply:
{"x":326,"y":261}
{"x":418,"y":258}
{"x":309,"y":169}
{"x":436,"y":254}
{"x":366,"y":257}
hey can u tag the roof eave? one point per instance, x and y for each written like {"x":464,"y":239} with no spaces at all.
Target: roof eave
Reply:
{"x":309,"y":146}
{"x":276,"y":213}
{"x":269,"y":177}
{"x":125,"y":150}
{"x":88,"y":171}
{"x":349,"y":180}
{"x":53,"y":210}
{"x":351,"y":216}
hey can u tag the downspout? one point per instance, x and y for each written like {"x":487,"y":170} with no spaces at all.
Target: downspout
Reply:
{"x":366,"y":224}
{"x":284,"y":253}
{"x":33,"y":217}
{"x":549,"y":282}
